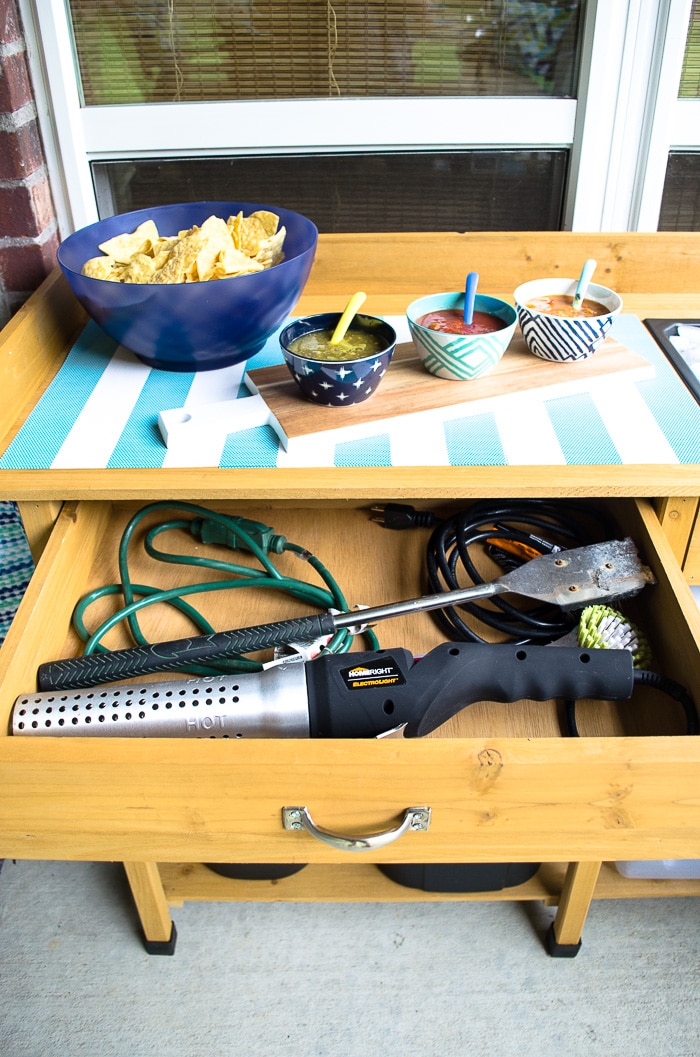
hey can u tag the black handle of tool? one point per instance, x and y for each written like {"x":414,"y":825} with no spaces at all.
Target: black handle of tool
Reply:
{"x":506,"y":672}
{"x":356,"y":695}
{"x":77,"y":672}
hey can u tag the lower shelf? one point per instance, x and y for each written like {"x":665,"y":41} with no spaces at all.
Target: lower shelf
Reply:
{"x":364,"y":883}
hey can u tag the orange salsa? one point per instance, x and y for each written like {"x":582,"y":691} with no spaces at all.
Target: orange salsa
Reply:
{"x":563,"y":305}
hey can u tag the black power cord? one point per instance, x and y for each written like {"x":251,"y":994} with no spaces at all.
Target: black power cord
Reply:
{"x":510,"y":532}
{"x":658,"y":682}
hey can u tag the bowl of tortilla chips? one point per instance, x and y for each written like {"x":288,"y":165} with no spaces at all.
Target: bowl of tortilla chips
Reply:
{"x":194,"y":286}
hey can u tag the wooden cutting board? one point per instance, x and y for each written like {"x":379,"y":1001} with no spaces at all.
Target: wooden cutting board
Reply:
{"x":407,"y":388}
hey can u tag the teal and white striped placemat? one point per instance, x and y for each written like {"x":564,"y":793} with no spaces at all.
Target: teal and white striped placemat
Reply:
{"x":101,"y":411}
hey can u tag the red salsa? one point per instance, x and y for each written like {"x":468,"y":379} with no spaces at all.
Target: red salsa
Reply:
{"x":451,"y":321}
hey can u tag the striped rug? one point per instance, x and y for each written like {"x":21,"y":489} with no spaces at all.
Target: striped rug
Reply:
{"x":16,"y":565}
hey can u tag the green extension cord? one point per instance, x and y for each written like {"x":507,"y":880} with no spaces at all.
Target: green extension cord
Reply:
{"x":209,"y":527}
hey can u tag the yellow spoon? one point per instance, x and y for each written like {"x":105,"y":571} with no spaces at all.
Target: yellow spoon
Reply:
{"x":347,"y":317}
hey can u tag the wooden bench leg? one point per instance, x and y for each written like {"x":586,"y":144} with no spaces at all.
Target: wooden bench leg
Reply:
{"x":564,"y":936}
{"x":147,"y":889}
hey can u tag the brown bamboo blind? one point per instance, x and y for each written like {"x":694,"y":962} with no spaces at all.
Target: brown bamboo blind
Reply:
{"x":194,"y":50}
{"x":680,"y":206}
{"x":497,"y":190}
{"x":690,"y":77}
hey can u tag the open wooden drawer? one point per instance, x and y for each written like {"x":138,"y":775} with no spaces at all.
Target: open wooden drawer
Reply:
{"x":501,"y":782}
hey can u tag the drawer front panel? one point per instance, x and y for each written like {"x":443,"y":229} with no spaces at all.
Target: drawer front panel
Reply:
{"x":491,"y":800}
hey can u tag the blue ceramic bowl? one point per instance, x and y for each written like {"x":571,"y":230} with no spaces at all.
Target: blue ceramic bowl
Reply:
{"x":561,"y":339}
{"x":191,"y":326}
{"x":338,"y":383}
{"x":460,"y":357}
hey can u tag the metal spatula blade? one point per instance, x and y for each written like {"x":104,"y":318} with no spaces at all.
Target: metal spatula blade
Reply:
{"x":575,"y":578}
{"x":570,"y":579}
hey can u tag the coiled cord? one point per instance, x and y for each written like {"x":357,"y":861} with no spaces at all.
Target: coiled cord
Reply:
{"x":511,"y":532}
{"x":209,"y":527}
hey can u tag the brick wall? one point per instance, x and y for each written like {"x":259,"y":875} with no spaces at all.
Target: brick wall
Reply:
{"x":28,"y":230}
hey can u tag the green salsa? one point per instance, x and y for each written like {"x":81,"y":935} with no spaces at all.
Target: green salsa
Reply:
{"x":354,"y":346}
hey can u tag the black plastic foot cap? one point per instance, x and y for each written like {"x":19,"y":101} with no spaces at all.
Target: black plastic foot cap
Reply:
{"x":162,"y":946}
{"x":560,"y":950}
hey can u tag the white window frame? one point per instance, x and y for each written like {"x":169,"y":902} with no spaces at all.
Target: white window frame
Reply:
{"x":619,"y":129}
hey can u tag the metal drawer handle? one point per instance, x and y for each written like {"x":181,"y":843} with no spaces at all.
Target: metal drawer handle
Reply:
{"x":416,"y":819}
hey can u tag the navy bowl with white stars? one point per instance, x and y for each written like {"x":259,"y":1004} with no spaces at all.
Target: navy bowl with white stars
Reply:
{"x":338,"y":383}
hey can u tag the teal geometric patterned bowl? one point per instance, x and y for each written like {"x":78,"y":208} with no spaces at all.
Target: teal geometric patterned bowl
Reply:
{"x":460,"y":357}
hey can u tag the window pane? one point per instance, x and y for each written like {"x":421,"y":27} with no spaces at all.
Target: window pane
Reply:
{"x":680,"y":206}
{"x":690,"y":77}
{"x":519,"y":190}
{"x":131,"y":51}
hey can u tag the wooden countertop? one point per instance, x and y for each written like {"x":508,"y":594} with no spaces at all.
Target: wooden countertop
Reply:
{"x":658,"y":276}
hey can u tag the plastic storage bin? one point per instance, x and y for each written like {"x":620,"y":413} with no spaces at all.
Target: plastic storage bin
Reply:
{"x":661,"y":869}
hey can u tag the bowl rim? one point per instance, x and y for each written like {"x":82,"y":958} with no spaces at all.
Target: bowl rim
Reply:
{"x":147,"y":212}
{"x":597,"y":292}
{"x":337,"y":363}
{"x":455,"y":299}
{"x":330,"y":316}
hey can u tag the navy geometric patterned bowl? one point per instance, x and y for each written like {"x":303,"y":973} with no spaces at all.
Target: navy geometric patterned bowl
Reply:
{"x":338,"y":383}
{"x":559,"y":338}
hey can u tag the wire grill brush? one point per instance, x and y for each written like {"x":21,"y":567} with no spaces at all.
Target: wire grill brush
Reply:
{"x":601,"y":627}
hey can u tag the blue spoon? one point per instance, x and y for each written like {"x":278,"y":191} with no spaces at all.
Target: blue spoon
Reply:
{"x":584,"y":279}
{"x":469,"y":295}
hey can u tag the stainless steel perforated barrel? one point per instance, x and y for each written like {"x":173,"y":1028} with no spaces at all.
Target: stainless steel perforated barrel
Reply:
{"x":268,"y":704}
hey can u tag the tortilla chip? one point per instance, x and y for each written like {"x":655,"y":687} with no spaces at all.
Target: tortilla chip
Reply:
{"x":233,"y":262}
{"x":270,"y":251}
{"x":269,"y":221}
{"x":252,"y":235}
{"x":182,"y":261}
{"x":140,"y":269}
{"x":218,"y":249}
{"x":103,"y":268}
{"x":234,"y":226}
{"x":216,"y":240}
{"x":164,"y":243}
{"x":123,"y":247}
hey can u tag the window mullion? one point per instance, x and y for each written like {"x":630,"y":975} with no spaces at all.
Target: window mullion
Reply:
{"x":614,"y":98}
{"x":627,"y":104}
{"x":671,"y":122}
{"x":49,"y":40}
